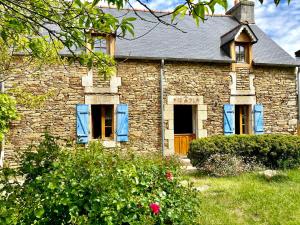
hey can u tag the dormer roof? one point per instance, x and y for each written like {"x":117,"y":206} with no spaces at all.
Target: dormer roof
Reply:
{"x":234,"y":34}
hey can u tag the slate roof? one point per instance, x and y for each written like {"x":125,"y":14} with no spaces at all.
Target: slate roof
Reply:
{"x":203,"y":43}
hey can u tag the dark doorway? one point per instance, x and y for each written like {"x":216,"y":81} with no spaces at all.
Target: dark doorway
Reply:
{"x":183,"y":119}
{"x":242,"y":119}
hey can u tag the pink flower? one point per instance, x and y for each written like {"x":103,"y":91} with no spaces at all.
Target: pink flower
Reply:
{"x":155,"y":208}
{"x":169,"y":176}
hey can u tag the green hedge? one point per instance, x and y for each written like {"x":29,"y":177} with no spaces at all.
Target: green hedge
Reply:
{"x":273,"y":151}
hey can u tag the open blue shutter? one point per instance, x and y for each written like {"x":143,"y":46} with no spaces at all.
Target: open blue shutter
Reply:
{"x":258,"y":119}
{"x":229,"y":119}
{"x":82,"y":112}
{"x":122,"y":122}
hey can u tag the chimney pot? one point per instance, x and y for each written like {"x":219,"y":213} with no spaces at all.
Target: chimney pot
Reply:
{"x":243,"y":11}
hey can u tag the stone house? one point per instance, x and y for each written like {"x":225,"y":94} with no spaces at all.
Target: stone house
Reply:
{"x":171,"y":86}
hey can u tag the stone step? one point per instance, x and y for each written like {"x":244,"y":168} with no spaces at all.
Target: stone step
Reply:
{"x":187,"y":166}
{"x":190,"y":169}
{"x":185,"y":161}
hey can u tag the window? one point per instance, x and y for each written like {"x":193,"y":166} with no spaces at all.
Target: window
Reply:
{"x":100,"y":45}
{"x":240,"y":53}
{"x":102,"y":121}
{"x":242,"y":119}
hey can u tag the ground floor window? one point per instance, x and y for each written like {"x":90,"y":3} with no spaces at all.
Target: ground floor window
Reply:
{"x":242,"y":119}
{"x":102,"y":121}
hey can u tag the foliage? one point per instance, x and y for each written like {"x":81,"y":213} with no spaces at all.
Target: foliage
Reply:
{"x":42,"y":28}
{"x":95,"y":186}
{"x":221,"y":165}
{"x":272,"y":151}
{"x":7,"y":113}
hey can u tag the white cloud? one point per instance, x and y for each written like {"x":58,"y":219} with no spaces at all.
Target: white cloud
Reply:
{"x":281,"y":23}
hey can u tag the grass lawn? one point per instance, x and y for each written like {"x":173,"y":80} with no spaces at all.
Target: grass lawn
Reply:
{"x":250,"y":199}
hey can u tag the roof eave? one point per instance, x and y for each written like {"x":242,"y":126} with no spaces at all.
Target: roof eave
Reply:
{"x":277,"y":64}
{"x":226,"y":61}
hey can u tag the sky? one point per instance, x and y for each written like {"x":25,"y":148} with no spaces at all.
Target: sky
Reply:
{"x":281,"y":23}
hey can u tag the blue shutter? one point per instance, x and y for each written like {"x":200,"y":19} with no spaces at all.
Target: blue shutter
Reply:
{"x":229,"y":119}
{"x":122,"y":122}
{"x":258,"y":119}
{"x":82,"y":112}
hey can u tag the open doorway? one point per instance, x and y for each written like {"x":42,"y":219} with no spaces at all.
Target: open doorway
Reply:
{"x":184,"y":127}
{"x":242,"y":119}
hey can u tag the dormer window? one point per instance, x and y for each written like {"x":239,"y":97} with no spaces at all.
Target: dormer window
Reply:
{"x":240,"y":53}
{"x":237,"y":43}
{"x":104,"y":43}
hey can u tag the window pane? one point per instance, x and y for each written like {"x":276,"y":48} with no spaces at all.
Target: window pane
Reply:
{"x":96,"y":121}
{"x":240,"y":53}
{"x":108,"y":116}
{"x":108,"y":131}
{"x":100,"y":45}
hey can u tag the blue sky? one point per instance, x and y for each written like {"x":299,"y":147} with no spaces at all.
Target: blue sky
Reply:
{"x":281,"y":23}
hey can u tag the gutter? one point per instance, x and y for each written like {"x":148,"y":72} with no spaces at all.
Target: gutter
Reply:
{"x":225,"y":61}
{"x":3,"y":141}
{"x":162,"y":64}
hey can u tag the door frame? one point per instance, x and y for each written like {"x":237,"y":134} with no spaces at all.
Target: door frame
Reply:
{"x":182,"y":140}
{"x":201,"y":116}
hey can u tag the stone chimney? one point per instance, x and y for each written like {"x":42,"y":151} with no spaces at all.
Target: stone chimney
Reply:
{"x":243,"y":11}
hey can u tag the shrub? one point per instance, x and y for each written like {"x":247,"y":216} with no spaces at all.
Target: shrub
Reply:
{"x":227,"y":165}
{"x":96,"y":186}
{"x":272,"y":151}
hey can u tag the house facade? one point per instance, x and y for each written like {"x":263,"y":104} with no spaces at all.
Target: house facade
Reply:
{"x":171,"y":86}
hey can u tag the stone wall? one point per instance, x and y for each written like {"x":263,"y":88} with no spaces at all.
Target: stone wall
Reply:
{"x":140,"y":89}
{"x":211,"y":81}
{"x":58,"y":114}
{"x":242,"y":79}
{"x":276,"y":90}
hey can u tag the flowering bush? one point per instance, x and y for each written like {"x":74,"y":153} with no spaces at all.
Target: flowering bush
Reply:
{"x":155,"y":208}
{"x":96,"y":186}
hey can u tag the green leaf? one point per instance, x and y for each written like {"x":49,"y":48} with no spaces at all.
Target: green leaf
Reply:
{"x":51,"y":185}
{"x":95,"y":2}
{"x":39,"y":213}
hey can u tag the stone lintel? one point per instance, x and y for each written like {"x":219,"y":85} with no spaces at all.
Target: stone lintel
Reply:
{"x":102,"y":99}
{"x":185,"y":100}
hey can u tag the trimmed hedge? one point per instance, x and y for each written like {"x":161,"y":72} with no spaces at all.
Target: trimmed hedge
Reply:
{"x":271,"y":150}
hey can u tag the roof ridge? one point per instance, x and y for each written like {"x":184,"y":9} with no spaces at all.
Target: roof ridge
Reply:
{"x":162,"y":11}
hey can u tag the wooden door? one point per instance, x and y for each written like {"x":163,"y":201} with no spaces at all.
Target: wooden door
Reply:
{"x":182,"y":142}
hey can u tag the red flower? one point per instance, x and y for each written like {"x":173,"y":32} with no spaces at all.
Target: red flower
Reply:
{"x":155,"y":208}
{"x":169,"y":176}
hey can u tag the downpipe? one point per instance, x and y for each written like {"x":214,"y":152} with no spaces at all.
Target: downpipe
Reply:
{"x":162,"y":64}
